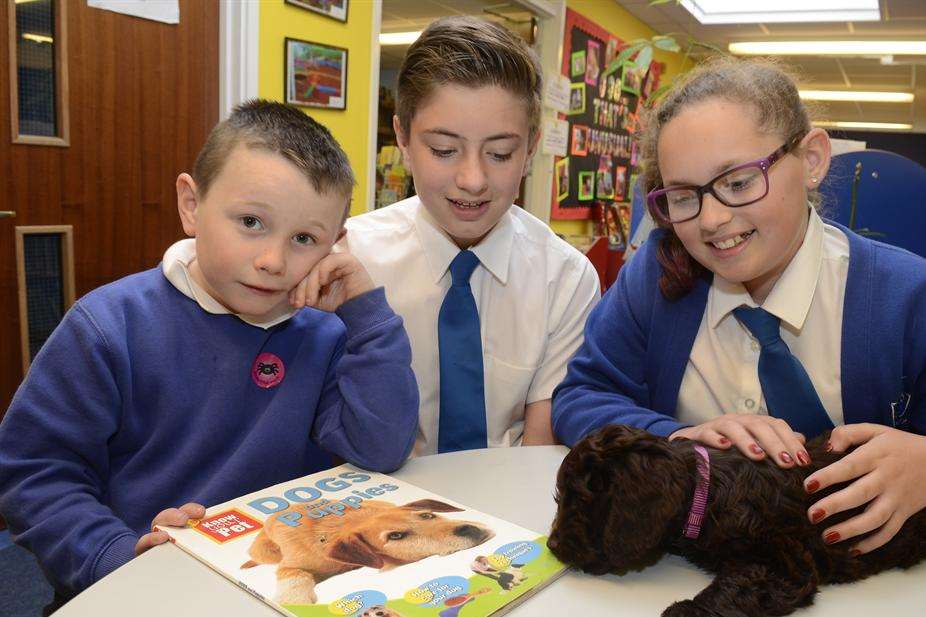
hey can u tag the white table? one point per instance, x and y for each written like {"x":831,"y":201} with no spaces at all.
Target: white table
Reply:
{"x":515,"y":484}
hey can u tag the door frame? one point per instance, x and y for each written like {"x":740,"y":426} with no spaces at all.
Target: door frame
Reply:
{"x":239,"y":53}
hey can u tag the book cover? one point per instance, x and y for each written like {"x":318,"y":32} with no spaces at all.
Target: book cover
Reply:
{"x":363,"y":544}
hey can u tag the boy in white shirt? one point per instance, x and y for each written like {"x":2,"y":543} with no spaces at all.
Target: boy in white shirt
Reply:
{"x":468,"y":116}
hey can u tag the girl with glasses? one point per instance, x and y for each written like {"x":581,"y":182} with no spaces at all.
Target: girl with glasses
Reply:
{"x":748,"y":321}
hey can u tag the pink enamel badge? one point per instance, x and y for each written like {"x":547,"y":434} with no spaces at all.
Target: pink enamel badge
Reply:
{"x":268,"y":370}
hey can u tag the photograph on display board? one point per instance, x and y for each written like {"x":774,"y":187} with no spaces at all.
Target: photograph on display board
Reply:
{"x":577,"y":65}
{"x":604,"y":185}
{"x":623,"y":217}
{"x":562,"y":179}
{"x":649,"y":85}
{"x":592,"y":62}
{"x":586,"y":185}
{"x":579,"y":140}
{"x":620,"y":183}
{"x":577,"y":98}
{"x":612,"y":227}
{"x":632,"y":78}
{"x":610,"y":51}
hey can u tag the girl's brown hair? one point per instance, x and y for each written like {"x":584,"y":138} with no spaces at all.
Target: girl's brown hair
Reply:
{"x":764,"y":86}
{"x":469,"y":52}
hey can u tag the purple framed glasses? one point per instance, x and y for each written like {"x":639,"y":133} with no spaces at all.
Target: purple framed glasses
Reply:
{"x":740,"y":186}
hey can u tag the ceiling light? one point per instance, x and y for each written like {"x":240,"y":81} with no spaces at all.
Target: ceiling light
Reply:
{"x":398,"y":38}
{"x":890,"y":126}
{"x":740,"y":12}
{"x":38,"y":38}
{"x":847,"y":95}
{"x":828,"y":48}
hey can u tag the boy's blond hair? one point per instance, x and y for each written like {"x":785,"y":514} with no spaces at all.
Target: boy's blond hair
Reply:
{"x":281,"y":129}
{"x":469,"y":52}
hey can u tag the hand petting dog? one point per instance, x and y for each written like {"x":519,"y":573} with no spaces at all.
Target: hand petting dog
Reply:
{"x":887,"y":471}
{"x":754,"y":436}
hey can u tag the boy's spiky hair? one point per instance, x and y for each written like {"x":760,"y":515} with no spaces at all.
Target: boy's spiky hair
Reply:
{"x":279,"y":128}
{"x":470,"y":52}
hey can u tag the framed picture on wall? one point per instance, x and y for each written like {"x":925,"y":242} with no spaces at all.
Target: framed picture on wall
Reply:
{"x":577,"y":98}
{"x":561,"y":174}
{"x":335,"y":9}
{"x":579,"y":140}
{"x":578,"y":63}
{"x":586,"y":185}
{"x":316,"y":74}
{"x":632,"y":78}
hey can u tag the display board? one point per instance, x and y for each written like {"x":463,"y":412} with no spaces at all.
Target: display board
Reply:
{"x":603,"y":118}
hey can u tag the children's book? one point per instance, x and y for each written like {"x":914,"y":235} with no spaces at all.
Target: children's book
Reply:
{"x":352,"y":542}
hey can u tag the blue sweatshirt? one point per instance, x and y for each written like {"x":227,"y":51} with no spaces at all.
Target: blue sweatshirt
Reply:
{"x":630,"y":366}
{"x":141,"y":401}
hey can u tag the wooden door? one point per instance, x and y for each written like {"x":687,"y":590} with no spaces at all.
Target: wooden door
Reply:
{"x":142,"y":96}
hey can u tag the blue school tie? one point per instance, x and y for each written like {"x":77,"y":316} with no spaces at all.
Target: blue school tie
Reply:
{"x":788,"y":391}
{"x":462,"y":391}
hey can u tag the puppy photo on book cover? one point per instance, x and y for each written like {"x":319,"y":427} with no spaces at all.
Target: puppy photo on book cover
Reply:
{"x":360,"y":543}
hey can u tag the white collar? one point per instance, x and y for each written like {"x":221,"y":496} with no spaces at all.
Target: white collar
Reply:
{"x":493,"y":251}
{"x":793,"y":292}
{"x":176,"y":267}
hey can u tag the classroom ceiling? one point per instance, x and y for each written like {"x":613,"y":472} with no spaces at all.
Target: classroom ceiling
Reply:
{"x":900,"y":19}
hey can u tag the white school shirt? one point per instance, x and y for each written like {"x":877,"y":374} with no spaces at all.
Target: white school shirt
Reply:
{"x":533,"y":292}
{"x":722,"y":375}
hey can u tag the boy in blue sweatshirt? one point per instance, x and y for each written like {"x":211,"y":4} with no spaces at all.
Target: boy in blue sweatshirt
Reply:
{"x":195,"y":381}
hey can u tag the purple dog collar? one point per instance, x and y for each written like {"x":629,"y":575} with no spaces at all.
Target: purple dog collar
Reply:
{"x":699,"y":501}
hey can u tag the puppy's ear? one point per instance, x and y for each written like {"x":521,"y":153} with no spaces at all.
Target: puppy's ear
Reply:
{"x":431,"y":505}
{"x":355,"y":550}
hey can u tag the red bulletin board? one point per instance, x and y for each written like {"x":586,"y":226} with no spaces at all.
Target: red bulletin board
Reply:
{"x":599,"y":163}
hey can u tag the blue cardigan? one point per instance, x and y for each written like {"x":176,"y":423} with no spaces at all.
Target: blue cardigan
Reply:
{"x":637,"y":343}
{"x":141,"y":400}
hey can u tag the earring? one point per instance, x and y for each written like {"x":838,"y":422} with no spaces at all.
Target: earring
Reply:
{"x":813,"y":179}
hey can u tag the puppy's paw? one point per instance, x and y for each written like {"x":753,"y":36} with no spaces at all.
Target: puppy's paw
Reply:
{"x":685,"y":608}
{"x":294,"y":591}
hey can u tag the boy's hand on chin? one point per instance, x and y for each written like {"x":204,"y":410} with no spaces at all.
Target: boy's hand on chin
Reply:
{"x":334,"y":280}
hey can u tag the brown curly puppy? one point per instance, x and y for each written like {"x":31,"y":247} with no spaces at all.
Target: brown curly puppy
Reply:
{"x":624,"y":496}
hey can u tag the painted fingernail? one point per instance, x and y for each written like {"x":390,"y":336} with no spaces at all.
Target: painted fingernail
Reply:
{"x":812,"y":486}
{"x":817,"y":515}
{"x":854,"y":552}
{"x":723,"y":441}
{"x":832,"y":537}
{"x":803,"y":457}
{"x":756,"y":449}
{"x":829,"y":446}
{"x":786,"y":458}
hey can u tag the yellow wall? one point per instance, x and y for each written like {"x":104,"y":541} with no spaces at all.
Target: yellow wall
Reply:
{"x":616,"y":20}
{"x":350,"y":127}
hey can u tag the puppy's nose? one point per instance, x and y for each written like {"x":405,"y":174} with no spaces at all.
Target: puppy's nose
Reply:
{"x":470,"y":532}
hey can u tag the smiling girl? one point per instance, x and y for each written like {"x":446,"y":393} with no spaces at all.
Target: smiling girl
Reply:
{"x":749,"y":321}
